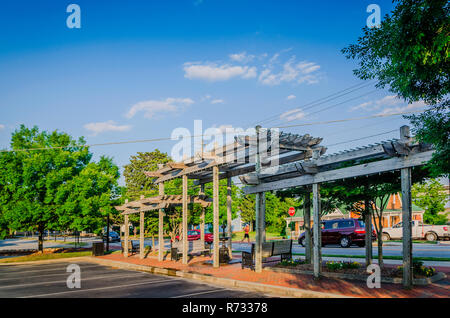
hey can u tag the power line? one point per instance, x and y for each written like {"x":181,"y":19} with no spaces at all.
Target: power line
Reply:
{"x":357,"y":139}
{"x":347,"y":119}
{"x":210,"y":135}
{"x":338,"y":104}
{"x":319,"y":101}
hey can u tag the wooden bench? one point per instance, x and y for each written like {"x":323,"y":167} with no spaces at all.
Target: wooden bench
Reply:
{"x":194,"y":247}
{"x":132,"y":249}
{"x":282,"y":248}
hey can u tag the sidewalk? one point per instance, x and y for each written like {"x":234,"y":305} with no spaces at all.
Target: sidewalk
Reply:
{"x":298,"y":281}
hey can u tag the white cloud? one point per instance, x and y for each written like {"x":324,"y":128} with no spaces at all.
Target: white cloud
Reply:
{"x":152,"y":107}
{"x":242,"y":57}
{"x":2,"y":127}
{"x":273,"y":70}
{"x":410,"y":107}
{"x":217,"y":101}
{"x":302,"y":72}
{"x":293,"y":114}
{"x":390,"y":100}
{"x":291,"y":97}
{"x":388,"y":105}
{"x":100,"y":127}
{"x":213,"y":72}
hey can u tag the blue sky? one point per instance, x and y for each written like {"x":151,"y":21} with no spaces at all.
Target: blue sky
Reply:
{"x":140,"y":69}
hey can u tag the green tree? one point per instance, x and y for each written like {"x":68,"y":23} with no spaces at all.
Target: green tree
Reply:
{"x":52,"y":189}
{"x":137,"y":182}
{"x":409,"y":54}
{"x":432,"y":197}
{"x":89,"y":197}
{"x":35,"y":176}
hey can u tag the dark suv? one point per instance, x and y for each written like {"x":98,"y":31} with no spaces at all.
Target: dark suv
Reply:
{"x":342,"y":231}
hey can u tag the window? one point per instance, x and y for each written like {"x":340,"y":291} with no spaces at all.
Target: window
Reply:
{"x":398,"y":225}
{"x":347,"y":223}
{"x":361,"y":223}
{"x":327,"y":225}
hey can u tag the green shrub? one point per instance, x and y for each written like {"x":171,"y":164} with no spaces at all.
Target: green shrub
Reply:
{"x":419,"y":269}
{"x":342,"y":265}
{"x":292,"y":262}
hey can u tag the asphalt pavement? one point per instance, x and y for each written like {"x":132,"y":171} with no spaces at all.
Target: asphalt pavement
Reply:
{"x":50,"y":281}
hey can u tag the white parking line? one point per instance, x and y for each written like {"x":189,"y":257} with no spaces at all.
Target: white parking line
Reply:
{"x":46,"y":275}
{"x":46,"y":270}
{"x":199,"y":293}
{"x":64,"y":281}
{"x":103,"y":288}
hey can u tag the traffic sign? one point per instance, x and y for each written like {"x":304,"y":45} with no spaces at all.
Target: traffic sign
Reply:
{"x":291,"y":211}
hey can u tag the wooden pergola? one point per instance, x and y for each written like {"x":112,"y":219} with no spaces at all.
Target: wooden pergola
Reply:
{"x":245,"y":155}
{"x":399,"y":154}
{"x":156,"y":203}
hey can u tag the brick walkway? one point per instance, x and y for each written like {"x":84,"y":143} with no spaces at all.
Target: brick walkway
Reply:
{"x":328,"y":285}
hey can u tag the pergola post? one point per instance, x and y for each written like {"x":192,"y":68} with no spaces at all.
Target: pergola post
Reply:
{"x":126,"y":232}
{"x":185,"y":217}
{"x":141,"y":235}
{"x":262,"y":217}
{"x":216,"y":215}
{"x":229,"y":215}
{"x":406,"y":218}
{"x":317,"y":230}
{"x":307,"y":225}
{"x":202,"y":217}
{"x":258,"y":207}
{"x":161,"y":226}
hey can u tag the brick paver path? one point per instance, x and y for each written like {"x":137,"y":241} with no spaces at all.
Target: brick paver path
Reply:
{"x":328,"y":285}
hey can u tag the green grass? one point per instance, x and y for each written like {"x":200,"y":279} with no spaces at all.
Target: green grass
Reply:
{"x":414,"y":241}
{"x":435,"y":259}
{"x":40,"y":257}
{"x":238,"y":236}
{"x":79,"y":244}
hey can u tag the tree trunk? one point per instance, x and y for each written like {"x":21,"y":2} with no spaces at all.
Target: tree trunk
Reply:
{"x":41,"y":241}
{"x":107,"y":233}
{"x":153,"y":241}
{"x":380,"y":251}
{"x":368,"y":229}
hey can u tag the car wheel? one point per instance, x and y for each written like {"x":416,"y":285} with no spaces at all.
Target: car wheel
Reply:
{"x":431,"y":237}
{"x":385,"y":237}
{"x":302,"y":242}
{"x":345,"y":242}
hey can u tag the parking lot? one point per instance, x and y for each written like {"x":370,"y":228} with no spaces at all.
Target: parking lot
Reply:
{"x":49,"y":280}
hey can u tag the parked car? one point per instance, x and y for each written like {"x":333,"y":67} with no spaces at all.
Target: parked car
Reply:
{"x":419,"y":231}
{"x":342,"y":231}
{"x":194,"y":235}
{"x":113,"y":237}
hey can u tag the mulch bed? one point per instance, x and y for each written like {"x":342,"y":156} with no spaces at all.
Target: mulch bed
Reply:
{"x":385,"y":271}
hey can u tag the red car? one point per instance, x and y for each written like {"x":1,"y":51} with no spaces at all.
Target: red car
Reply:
{"x":194,"y":235}
{"x":343,"y":231}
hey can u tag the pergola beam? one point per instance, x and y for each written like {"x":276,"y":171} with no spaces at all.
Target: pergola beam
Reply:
{"x":381,"y":166}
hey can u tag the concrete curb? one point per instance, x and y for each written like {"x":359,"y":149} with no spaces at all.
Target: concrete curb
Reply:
{"x":388,"y":280}
{"x":226,"y":282}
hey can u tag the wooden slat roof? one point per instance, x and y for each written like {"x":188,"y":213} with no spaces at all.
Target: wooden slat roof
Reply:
{"x":238,"y":157}
{"x":161,"y":202}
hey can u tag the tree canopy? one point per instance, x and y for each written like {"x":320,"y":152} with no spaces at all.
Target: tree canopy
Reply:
{"x":409,"y":54}
{"x":54,"y":189}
